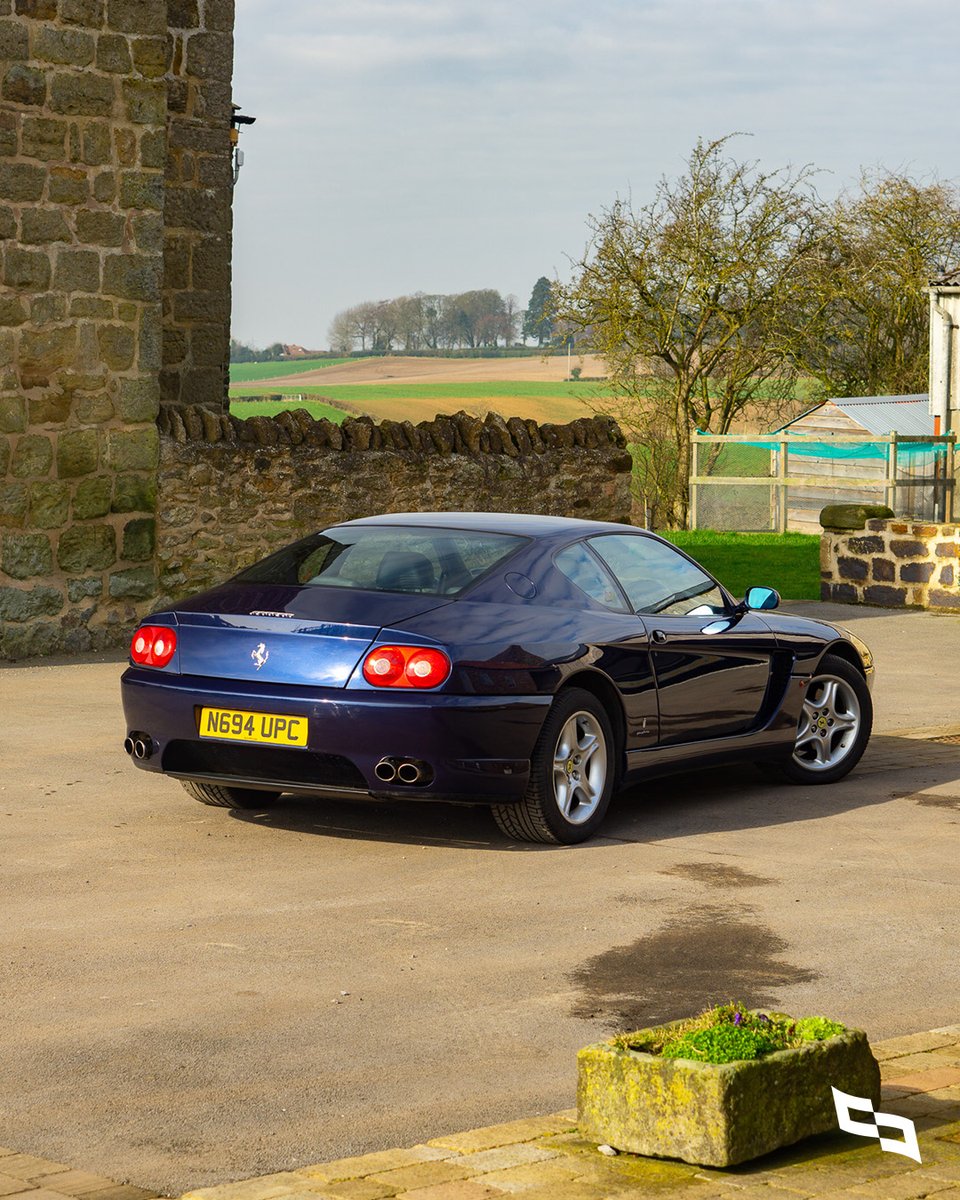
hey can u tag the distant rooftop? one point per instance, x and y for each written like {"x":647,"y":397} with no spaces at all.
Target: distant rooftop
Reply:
{"x":881,"y":415}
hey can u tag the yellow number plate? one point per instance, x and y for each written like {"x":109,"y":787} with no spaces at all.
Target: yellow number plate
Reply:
{"x":271,"y":729}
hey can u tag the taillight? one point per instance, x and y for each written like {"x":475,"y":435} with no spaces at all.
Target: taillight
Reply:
{"x":406,"y":666}
{"x":153,"y":645}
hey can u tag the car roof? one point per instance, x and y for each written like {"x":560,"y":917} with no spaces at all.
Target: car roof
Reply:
{"x":525,"y":524}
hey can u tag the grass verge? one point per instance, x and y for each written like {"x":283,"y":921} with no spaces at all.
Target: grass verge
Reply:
{"x":789,"y":562}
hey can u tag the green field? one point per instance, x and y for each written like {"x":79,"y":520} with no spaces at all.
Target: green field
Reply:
{"x":543,"y":401}
{"x":270,"y":408}
{"x":789,"y":562}
{"x":251,"y":371}
{"x":358,"y":393}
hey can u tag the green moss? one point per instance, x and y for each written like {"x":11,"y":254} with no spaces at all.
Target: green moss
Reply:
{"x":816,"y":1029}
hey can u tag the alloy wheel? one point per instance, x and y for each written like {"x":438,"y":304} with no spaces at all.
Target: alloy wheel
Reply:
{"x":579,"y":767}
{"x":829,"y":724}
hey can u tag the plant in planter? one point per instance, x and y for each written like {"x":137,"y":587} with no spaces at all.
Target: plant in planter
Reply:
{"x":721,"y":1088}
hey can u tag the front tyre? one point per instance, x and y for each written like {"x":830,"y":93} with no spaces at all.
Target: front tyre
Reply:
{"x":572,"y":775}
{"x":221,"y":796}
{"x":834,"y":725}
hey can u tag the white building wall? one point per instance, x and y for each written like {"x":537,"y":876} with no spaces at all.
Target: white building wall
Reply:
{"x":945,"y":356}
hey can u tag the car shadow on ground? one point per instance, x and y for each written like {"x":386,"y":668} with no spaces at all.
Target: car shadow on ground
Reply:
{"x":707,"y":801}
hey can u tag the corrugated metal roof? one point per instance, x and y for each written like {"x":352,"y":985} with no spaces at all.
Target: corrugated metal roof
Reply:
{"x":886,"y":414}
{"x":881,"y":415}
{"x":950,"y":279}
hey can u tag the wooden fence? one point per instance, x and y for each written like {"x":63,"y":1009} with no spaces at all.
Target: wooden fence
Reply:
{"x":902,"y":475}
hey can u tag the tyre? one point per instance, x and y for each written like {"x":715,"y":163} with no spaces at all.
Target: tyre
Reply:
{"x":572,"y":775}
{"x":222,"y":796}
{"x":834,"y":725}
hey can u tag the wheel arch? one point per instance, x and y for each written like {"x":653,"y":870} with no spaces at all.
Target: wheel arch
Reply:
{"x":606,"y":692}
{"x":844,"y":650}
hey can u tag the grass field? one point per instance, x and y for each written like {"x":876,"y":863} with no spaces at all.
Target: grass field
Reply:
{"x":269,"y":408}
{"x":541,"y":400}
{"x":246,"y":372}
{"x":789,"y":562}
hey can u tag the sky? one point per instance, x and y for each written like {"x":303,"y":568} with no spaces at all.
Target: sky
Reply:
{"x":447,"y":145}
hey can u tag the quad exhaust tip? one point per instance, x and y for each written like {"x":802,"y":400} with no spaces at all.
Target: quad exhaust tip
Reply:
{"x":138,"y":745}
{"x":408,"y":771}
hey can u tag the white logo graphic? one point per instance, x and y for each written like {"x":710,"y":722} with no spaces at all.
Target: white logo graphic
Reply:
{"x":908,"y":1147}
{"x":260,"y":655}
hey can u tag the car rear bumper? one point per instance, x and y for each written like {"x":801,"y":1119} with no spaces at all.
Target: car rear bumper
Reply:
{"x":477,"y":748}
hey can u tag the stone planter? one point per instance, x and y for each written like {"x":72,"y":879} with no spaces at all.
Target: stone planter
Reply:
{"x":718,"y":1115}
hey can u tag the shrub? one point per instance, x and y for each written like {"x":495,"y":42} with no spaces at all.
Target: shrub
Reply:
{"x":732,"y":1032}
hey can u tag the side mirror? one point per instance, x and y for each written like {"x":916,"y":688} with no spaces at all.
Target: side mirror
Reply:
{"x":761,"y":598}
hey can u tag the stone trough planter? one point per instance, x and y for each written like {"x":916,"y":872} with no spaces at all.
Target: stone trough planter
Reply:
{"x":718,"y":1115}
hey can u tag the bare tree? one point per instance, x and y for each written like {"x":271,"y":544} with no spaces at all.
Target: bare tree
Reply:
{"x":697,"y":300}
{"x":342,"y":332}
{"x":885,"y":243}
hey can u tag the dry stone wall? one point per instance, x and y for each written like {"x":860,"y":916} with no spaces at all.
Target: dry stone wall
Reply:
{"x":893,"y":563}
{"x":231,"y":490}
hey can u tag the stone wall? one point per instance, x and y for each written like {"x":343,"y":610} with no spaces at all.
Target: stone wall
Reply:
{"x":233,"y":490}
{"x":82,"y":129}
{"x":894,"y":563}
{"x":114,"y":145}
{"x":198,"y":212}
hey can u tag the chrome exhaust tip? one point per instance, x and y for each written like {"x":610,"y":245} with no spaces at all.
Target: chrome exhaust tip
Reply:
{"x":408,"y":772}
{"x":128,"y":745}
{"x":385,"y":771}
{"x":143,"y":747}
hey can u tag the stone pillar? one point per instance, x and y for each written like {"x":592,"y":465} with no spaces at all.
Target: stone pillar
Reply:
{"x":893,"y":563}
{"x":198,"y":208}
{"x":82,"y":148}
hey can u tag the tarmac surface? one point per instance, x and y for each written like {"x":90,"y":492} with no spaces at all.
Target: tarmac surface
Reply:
{"x":193,"y":996}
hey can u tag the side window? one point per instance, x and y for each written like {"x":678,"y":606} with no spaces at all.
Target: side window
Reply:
{"x":582,"y":569}
{"x":657,"y":578}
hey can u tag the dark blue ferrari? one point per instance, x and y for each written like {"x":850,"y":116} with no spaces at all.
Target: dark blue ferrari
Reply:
{"x":532,"y":664}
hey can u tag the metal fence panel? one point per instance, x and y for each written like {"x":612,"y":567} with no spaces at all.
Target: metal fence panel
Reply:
{"x":782,"y":482}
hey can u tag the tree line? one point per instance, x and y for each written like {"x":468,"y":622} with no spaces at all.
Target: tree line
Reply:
{"x":473,"y":320}
{"x":732,"y":284}
{"x":240,"y":352}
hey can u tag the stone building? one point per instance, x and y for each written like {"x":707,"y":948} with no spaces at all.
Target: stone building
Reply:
{"x":115,"y":220}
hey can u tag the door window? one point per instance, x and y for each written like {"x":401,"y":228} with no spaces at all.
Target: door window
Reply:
{"x":585,"y":571}
{"x":657,"y":578}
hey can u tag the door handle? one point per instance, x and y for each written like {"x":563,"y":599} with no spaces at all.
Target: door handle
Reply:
{"x":658,"y":636}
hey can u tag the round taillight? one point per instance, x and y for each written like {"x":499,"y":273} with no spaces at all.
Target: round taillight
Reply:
{"x":383,"y":666}
{"x":153,"y":645}
{"x":427,"y":668}
{"x":406,"y":666}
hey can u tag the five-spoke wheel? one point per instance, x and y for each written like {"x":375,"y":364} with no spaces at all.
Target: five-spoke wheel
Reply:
{"x":834,"y":725}
{"x":828,"y":724}
{"x":572,"y":774}
{"x":580,"y":767}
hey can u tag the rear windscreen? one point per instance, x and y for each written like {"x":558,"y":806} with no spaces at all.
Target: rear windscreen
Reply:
{"x":433,"y":562}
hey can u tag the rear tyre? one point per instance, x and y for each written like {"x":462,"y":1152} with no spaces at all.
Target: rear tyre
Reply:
{"x":572,"y":775}
{"x":834,"y":725}
{"x":221,"y":796}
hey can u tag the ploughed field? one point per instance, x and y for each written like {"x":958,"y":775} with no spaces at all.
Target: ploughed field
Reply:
{"x":417,"y":389}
